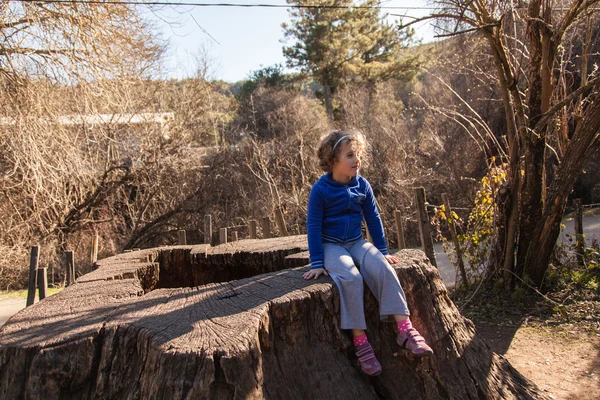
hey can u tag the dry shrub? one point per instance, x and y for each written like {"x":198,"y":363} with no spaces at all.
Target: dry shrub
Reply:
{"x":413,"y":145}
{"x":272,"y":166}
{"x":265,"y":169}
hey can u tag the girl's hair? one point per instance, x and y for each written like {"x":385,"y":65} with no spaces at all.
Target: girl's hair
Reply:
{"x":329,"y":149}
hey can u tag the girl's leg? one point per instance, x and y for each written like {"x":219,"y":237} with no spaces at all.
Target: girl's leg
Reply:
{"x":383,"y":282}
{"x":343,"y":271}
{"x":381,"y":279}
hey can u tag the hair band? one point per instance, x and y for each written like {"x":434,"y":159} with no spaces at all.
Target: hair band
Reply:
{"x":338,"y":141}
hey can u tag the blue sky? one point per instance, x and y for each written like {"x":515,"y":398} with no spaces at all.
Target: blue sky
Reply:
{"x":238,"y":40}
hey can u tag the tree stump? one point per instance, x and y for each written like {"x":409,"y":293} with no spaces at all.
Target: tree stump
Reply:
{"x":236,"y":322}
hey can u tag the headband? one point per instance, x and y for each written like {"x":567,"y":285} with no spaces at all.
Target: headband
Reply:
{"x":338,"y":141}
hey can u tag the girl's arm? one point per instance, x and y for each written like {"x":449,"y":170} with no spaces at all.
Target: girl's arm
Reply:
{"x":373,"y":220}
{"x":314,"y":227}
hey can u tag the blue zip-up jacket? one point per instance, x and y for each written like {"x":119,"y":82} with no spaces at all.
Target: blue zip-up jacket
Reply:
{"x":335,"y":214}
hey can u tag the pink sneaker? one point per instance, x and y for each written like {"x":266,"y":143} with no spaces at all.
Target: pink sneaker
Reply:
{"x":412,"y":341}
{"x":368,"y":362}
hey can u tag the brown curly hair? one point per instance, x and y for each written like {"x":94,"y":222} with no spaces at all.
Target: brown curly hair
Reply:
{"x":328,"y":155}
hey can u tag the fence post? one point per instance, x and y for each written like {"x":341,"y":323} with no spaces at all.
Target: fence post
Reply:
{"x":280,"y":222}
{"x":579,"y":238}
{"x":208,"y":229}
{"x":94,"y":251}
{"x":70,"y":267}
{"x":234,"y":236}
{"x":42,"y":279}
{"x":266,"y":227}
{"x":399,"y":230}
{"x":181,"y":237}
{"x":252,"y":229}
{"x":33,"y":265}
{"x":425,"y":226}
{"x":222,"y":235}
{"x":459,"y":253}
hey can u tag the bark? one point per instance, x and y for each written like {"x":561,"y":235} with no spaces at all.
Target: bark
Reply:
{"x":583,"y":146}
{"x":531,"y":198}
{"x":327,"y":97}
{"x":117,"y":333}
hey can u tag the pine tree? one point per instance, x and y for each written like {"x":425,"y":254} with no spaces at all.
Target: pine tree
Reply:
{"x":336,"y":41}
{"x":323,"y":42}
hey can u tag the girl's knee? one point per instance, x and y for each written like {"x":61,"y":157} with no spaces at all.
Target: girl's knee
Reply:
{"x":352,"y":279}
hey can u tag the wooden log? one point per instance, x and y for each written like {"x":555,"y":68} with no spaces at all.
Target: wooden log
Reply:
{"x":579,"y":238}
{"x":33,"y":265}
{"x":399,"y":230}
{"x":70,"y":267}
{"x":424,"y":225}
{"x":265,"y":224}
{"x":207,"y":229}
{"x":271,"y":336}
{"x":459,"y":253}
{"x":280,"y":223}
{"x":42,"y":281}
{"x":252,"y":229}
{"x":181,"y":237}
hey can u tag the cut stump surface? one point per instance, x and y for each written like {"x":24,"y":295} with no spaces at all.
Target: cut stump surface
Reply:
{"x":237,"y":321}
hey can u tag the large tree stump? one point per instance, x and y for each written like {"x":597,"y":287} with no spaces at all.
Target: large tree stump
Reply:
{"x":201,"y":324}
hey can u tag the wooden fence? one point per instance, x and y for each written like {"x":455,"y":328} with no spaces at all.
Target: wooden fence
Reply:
{"x":38,"y":276}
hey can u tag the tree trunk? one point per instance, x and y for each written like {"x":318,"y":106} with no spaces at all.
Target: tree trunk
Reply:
{"x":531,"y":198}
{"x":534,"y":141}
{"x":585,"y":143}
{"x":327,"y":98}
{"x":328,"y":101}
{"x":126,"y":331}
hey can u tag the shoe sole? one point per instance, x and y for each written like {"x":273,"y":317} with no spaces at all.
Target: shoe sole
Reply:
{"x":426,"y":354}
{"x":377,"y":374}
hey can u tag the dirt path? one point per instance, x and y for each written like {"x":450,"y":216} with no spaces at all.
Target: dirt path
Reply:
{"x":565,"y":364}
{"x":10,"y":307}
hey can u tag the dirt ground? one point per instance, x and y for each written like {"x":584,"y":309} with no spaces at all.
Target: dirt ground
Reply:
{"x":564,"y":363}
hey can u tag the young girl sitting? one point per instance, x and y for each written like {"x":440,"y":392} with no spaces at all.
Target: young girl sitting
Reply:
{"x":336,"y":207}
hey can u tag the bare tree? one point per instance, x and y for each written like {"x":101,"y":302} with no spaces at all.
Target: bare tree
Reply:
{"x":74,"y":41}
{"x":67,"y":78}
{"x":526,"y":43}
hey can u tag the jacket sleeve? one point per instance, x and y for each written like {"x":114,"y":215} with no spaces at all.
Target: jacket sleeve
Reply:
{"x":314,"y":227}
{"x":373,"y":220}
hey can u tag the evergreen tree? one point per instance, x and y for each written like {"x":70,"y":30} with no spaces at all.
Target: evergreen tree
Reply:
{"x":336,"y":41}
{"x":323,"y":42}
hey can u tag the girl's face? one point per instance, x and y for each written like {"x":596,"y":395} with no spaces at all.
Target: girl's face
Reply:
{"x":347,"y":164}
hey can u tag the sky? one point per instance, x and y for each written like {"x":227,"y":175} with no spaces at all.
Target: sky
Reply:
{"x":238,"y":40}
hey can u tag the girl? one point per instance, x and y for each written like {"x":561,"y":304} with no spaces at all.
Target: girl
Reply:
{"x":336,"y":206}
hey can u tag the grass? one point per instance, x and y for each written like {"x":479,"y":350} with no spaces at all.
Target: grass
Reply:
{"x":22,"y":294}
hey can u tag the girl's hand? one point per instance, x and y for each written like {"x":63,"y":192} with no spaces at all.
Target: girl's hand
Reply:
{"x":392,"y":259}
{"x":314,"y":273}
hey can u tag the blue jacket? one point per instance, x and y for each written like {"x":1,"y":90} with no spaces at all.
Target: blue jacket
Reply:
{"x":335,"y":214}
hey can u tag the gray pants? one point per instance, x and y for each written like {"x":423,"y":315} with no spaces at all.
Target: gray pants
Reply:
{"x":341,"y":262}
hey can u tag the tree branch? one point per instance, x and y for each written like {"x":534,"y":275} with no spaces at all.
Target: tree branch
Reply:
{"x":550,"y":113}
